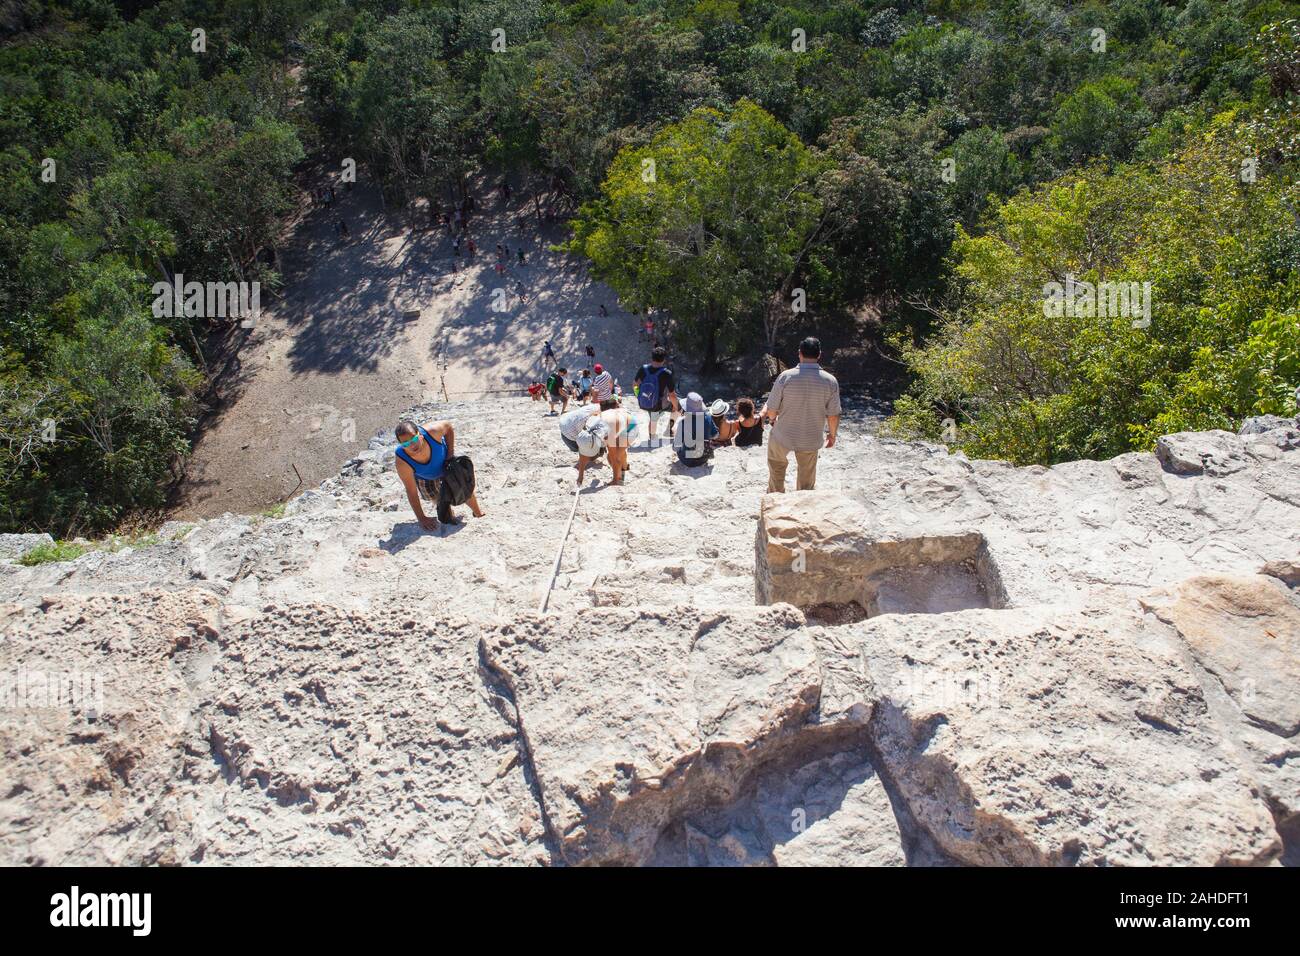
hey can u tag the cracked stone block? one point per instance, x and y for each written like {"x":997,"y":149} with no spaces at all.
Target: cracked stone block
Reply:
{"x":1243,"y":633}
{"x":281,"y":690}
{"x":675,"y":709}
{"x":823,"y":549}
{"x":1048,"y":736}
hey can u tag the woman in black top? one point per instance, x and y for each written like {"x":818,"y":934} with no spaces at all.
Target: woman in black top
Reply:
{"x":750,"y":431}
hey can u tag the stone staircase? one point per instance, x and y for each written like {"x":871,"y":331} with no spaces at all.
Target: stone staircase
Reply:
{"x":1088,"y":664}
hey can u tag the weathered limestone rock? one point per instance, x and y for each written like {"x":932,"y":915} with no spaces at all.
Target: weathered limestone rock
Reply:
{"x":833,"y":811}
{"x":1047,"y":736}
{"x":641,"y":717}
{"x":93,"y":721}
{"x":1244,"y":635}
{"x":1266,"y":423}
{"x":981,"y":533}
{"x":1288,"y":572}
{"x":336,"y":685}
{"x":822,"y":548}
{"x":14,"y":546}
{"x":856,"y":824}
{"x":1215,"y":453}
{"x":359,"y":737}
{"x":287,"y":735}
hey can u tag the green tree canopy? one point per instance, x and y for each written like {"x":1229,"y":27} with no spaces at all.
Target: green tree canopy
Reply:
{"x":708,"y":221}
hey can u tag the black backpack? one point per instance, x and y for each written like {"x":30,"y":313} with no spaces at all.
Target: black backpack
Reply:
{"x":457,"y":484}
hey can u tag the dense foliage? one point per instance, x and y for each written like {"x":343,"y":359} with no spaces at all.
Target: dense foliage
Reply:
{"x":1223,"y":340}
{"x":941,"y":161}
{"x":127,"y":157}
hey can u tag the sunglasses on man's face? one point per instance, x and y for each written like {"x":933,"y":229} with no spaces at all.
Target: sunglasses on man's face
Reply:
{"x":409,"y":442}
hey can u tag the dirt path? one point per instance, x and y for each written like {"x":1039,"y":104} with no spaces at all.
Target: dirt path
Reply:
{"x":336,"y":359}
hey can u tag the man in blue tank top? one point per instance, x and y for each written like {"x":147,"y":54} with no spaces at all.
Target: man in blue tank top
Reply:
{"x":422,"y":453}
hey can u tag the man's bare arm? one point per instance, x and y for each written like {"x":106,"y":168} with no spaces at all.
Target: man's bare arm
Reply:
{"x":405,"y":473}
{"x":443,"y":431}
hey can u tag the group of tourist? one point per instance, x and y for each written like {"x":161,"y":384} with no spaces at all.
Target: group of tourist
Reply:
{"x":802,"y":409}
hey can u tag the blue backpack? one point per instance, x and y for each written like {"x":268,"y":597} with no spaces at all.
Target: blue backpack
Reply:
{"x":648,"y":397}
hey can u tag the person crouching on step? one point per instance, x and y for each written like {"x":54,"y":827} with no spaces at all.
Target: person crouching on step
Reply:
{"x":422,"y":455}
{"x":610,"y":431}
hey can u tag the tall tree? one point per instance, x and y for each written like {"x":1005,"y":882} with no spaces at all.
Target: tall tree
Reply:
{"x":708,"y":221}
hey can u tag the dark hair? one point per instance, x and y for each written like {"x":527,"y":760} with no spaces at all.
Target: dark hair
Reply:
{"x":405,"y":427}
{"x":609,"y":403}
{"x":562,"y":369}
{"x":659,"y":354}
{"x":744,"y":407}
{"x":810,"y":348}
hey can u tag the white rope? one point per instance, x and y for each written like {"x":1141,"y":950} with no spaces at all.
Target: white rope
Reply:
{"x":559,"y":553}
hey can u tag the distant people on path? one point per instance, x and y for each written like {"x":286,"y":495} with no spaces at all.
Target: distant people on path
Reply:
{"x":473,"y":248}
{"x":602,"y":386}
{"x":557,"y":389}
{"x":341,"y":230}
{"x":694,"y":433}
{"x":656,"y":392}
{"x":422,"y":456}
{"x":749,"y":425}
{"x":584,"y":384}
{"x":591,"y":353}
{"x":804,"y":406}
{"x":522,"y":261}
{"x":604,"y":311}
{"x":548,"y":354}
{"x":536,"y":390}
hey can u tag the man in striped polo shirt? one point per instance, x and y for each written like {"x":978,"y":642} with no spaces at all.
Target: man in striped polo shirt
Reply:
{"x":602,"y":386}
{"x":804,"y":404}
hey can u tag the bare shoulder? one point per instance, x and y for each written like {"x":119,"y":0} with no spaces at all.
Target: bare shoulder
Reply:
{"x":438,"y":428}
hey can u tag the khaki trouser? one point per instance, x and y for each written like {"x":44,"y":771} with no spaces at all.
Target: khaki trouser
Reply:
{"x":778,"y":458}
